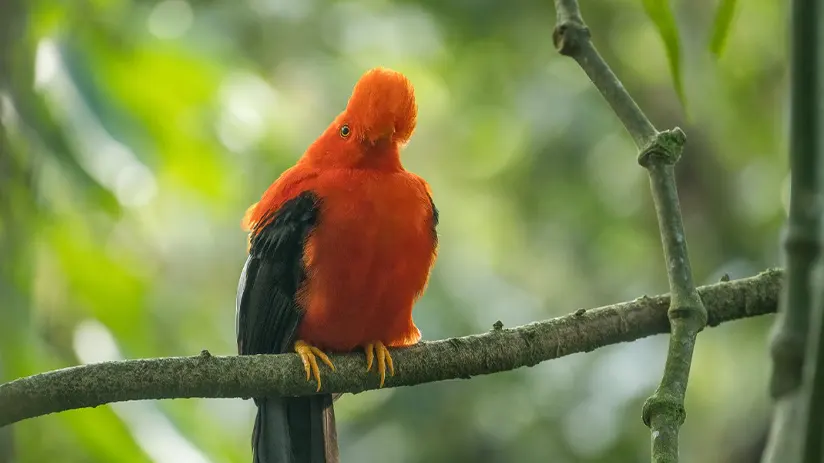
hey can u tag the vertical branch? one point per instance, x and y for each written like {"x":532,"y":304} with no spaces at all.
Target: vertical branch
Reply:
{"x":9,"y":293}
{"x":659,"y":151}
{"x":801,"y":249}
{"x":807,"y":41}
{"x":14,"y":180}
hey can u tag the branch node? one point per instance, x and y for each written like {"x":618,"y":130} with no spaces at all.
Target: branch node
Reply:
{"x":801,"y":239}
{"x":569,"y":35}
{"x":787,"y":351}
{"x":693,"y":314}
{"x":580,"y":312}
{"x":663,"y":405}
{"x":665,"y":148}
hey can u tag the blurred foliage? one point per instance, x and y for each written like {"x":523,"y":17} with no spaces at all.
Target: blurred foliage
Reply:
{"x":721,"y":26}
{"x":660,"y":12}
{"x":137,"y":132}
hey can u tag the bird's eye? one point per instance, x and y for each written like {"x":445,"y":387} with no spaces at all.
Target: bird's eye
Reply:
{"x":345,"y":131}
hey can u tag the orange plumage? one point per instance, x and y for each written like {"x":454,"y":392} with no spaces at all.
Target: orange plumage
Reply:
{"x":369,"y":257}
{"x":340,"y":248}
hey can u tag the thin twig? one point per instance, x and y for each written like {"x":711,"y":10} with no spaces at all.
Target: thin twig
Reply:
{"x":659,"y":151}
{"x":498,"y":350}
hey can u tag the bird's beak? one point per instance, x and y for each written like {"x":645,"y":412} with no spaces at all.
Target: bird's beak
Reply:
{"x":380,"y":134}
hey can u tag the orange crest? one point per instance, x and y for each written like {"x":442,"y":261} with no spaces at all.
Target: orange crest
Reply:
{"x":383,"y":105}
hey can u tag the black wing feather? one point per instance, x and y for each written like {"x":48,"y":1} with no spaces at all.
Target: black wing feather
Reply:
{"x":435,"y":218}
{"x":287,"y":429}
{"x":267,"y":312}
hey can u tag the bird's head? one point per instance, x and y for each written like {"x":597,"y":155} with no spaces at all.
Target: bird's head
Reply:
{"x":380,"y":116}
{"x":382,"y":107}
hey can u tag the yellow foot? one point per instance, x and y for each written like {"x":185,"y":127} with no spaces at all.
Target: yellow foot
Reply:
{"x":308,"y":354}
{"x":384,"y":359}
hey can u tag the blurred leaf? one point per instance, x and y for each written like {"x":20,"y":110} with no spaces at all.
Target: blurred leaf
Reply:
{"x":40,"y":123}
{"x":99,"y":279}
{"x":165,"y":113}
{"x":120,"y":124}
{"x":44,"y":128}
{"x":660,"y":13}
{"x":721,"y":26}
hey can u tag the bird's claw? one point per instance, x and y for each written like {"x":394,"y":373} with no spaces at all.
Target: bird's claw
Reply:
{"x":384,"y":359}
{"x":308,"y":355}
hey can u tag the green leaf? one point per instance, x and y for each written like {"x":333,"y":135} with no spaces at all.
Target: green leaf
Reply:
{"x":660,"y":13}
{"x":44,"y":128}
{"x":721,"y":26}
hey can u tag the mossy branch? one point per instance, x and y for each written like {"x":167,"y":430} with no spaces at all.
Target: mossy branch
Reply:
{"x":659,"y":151}
{"x":498,"y":350}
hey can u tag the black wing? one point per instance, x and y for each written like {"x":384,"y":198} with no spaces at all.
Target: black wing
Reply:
{"x":267,"y":313}
{"x":435,"y":218}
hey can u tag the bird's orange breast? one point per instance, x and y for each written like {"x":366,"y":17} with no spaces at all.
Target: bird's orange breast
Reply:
{"x":367,"y":260}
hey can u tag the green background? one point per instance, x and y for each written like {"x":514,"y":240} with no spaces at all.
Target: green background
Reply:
{"x":138,"y":132}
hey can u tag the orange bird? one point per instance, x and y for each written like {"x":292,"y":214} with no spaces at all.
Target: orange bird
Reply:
{"x":340,"y":247}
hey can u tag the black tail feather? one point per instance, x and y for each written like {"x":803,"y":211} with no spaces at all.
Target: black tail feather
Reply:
{"x":295,"y":430}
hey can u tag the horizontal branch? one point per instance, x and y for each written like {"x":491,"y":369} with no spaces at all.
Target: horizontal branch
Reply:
{"x":264,"y":375}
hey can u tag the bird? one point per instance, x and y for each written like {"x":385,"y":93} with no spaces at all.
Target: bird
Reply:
{"x":340,"y":248}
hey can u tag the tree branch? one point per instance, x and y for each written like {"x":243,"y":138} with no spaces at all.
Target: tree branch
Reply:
{"x":572,"y":38}
{"x":790,"y":439}
{"x":659,"y":151}
{"x":266,"y":375}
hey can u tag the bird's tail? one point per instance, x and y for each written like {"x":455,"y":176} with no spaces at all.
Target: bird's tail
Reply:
{"x":295,"y":430}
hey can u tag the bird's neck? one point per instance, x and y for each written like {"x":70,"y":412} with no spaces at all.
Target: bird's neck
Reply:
{"x":383,"y":156}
